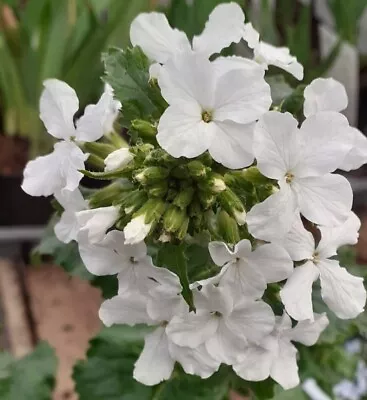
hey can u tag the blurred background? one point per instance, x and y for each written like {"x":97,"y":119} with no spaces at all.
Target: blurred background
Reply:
{"x":48,"y":301}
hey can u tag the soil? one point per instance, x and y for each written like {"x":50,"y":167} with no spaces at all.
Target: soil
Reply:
{"x":13,"y":155}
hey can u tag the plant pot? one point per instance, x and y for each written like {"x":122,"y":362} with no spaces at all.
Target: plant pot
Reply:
{"x":18,"y":208}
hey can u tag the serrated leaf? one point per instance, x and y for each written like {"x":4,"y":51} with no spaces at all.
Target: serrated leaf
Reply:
{"x":128,"y":73}
{"x":30,"y":378}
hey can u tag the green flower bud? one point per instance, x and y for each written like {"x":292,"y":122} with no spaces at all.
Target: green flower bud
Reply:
{"x":145,"y":128}
{"x":110,"y":194}
{"x":96,"y":162}
{"x":180,"y":172}
{"x":197,"y":170}
{"x":153,"y":210}
{"x":133,"y":200}
{"x":184,"y":197}
{"x":230,"y":201}
{"x":206,"y":198}
{"x":195,"y":208}
{"x":214,"y":184}
{"x":101,"y":150}
{"x":151,"y":175}
{"x":182,"y":232}
{"x":160,"y":157}
{"x":159,"y":189}
{"x":228,"y":228}
{"x":173,"y":218}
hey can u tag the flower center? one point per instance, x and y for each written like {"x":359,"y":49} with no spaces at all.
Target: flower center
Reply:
{"x":206,"y":116}
{"x":133,"y":261}
{"x":315,"y":258}
{"x":217,"y":314}
{"x":289,"y":177}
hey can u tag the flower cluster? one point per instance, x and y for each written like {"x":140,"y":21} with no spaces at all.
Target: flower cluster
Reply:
{"x":221,"y":167}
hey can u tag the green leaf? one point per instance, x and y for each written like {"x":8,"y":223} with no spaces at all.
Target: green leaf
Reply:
{"x":128,"y":73}
{"x":292,"y":394}
{"x":173,"y":258}
{"x":107,"y":373}
{"x":30,"y":378}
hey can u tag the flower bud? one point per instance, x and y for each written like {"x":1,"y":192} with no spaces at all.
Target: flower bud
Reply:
{"x":137,"y":230}
{"x":230,"y":201}
{"x":110,"y":194}
{"x":228,"y":228}
{"x":182,"y":232}
{"x":206,"y":198}
{"x":159,"y":189}
{"x":118,"y":159}
{"x":173,"y":219}
{"x":151,"y":175}
{"x":197,"y":170}
{"x":214,"y":184}
{"x":160,"y":157}
{"x":145,"y":128}
{"x":135,"y":199}
{"x":184,"y":197}
{"x":101,"y":150}
{"x":240,"y":217}
{"x":153,"y":210}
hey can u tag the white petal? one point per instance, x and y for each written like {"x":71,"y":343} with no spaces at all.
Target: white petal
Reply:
{"x":325,"y":200}
{"x":277,"y":145}
{"x":118,"y":159}
{"x":129,"y":309}
{"x":324,"y":95}
{"x":136,"y":230}
{"x":224,"y":27}
{"x":241,"y":96}
{"x":243,"y":279}
{"x":272,"y":261}
{"x":243,"y":249}
{"x":296,"y":294}
{"x":195,"y":361}
{"x":71,"y":200}
{"x":154,"y":71}
{"x":274,"y":217}
{"x":308,"y":332}
{"x":231,"y":144}
{"x":152,"y":32}
{"x":220,"y":253}
{"x":213,"y":299}
{"x":342,"y":292}
{"x":59,"y":170}
{"x":155,"y":363}
{"x":327,"y":141}
{"x":192,"y":330}
{"x":58,"y":104}
{"x":334,"y":237}
{"x":97,"y":221}
{"x":358,"y":154}
{"x":284,"y":369}
{"x":255,"y":364}
{"x":251,"y":320}
{"x":67,"y":228}
{"x":98,"y":118}
{"x":224,"y":346}
{"x":188,"y":79}
{"x":251,"y":36}
{"x":224,"y":64}
{"x":267,"y":54}
{"x":183,"y":133}
{"x":299,"y":243}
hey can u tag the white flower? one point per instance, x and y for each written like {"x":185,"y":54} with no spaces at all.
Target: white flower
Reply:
{"x":276,"y":356}
{"x":301,"y":160}
{"x":324,"y":94}
{"x":118,"y":159}
{"x":160,"y":42}
{"x":211,"y":111}
{"x":55,"y":172}
{"x":342,"y":292}
{"x":247,"y":273}
{"x":136,"y":230}
{"x":222,"y":326}
{"x":96,"y":222}
{"x":58,"y":105}
{"x":59,"y":170}
{"x":330,"y":95}
{"x":67,"y":228}
{"x":266,"y":54}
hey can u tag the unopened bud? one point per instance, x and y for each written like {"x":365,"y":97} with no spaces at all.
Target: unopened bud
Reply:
{"x":135,"y":199}
{"x":118,"y":159}
{"x":159,"y":189}
{"x":151,"y":175}
{"x":110,"y":194}
{"x":173,"y":218}
{"x":101,"y":150}
{"x":145,"y":128}
{"x":230,"y":201}
{"x":228,"y":228}
{"x":160,"y":157}
{"x":214,"y":184}
{"x":197,"y":170}
{"x":153,"y":210}
{"x":206,"y":199}
{"x":182,"y":232}
{"x":240,"y":217}
{"x":184,"y":197}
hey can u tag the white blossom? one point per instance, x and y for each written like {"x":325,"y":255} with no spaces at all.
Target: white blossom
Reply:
{"x":276,"y":356}
{"x":67,"y":228}
{"x":301,"y":160}
{"x":97,"y":221}
{"x":342,"y":292}
{"x":247,"y":272}
{"x":210,"y":111}
{"x":221,"y":324}
{"x":160,"y":42}
{"x":118,"y":159}
{"x":137,"y":230}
